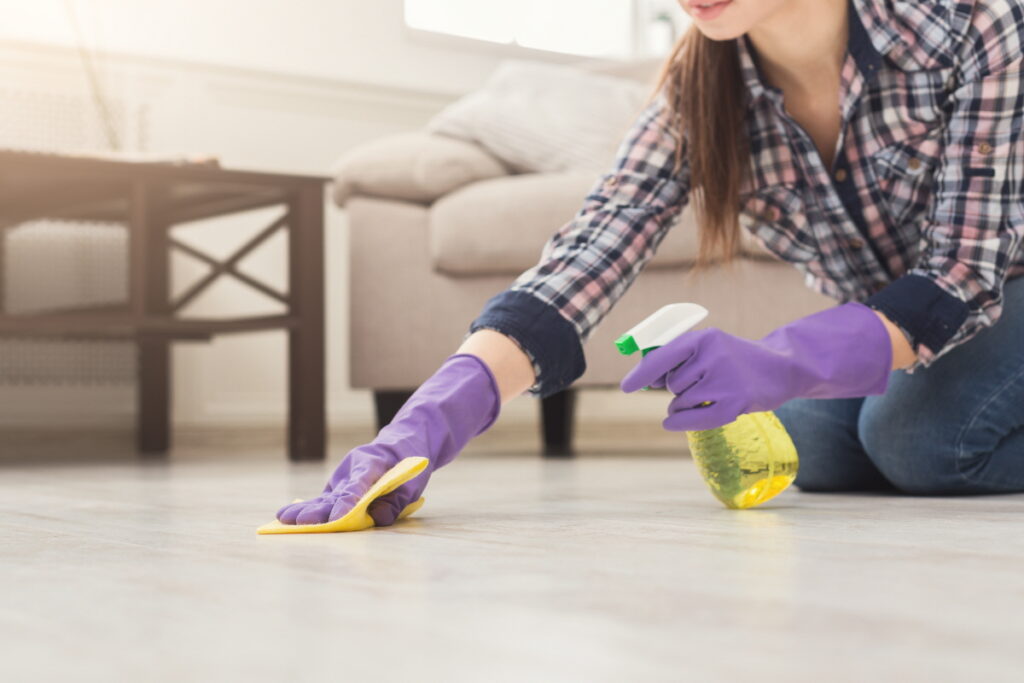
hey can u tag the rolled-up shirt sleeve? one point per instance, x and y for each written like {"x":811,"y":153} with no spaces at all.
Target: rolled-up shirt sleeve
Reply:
{"x":975,"y":223}
{"x":551,"y":309}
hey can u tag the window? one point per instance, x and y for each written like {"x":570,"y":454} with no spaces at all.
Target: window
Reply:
{"x":595,"y":28}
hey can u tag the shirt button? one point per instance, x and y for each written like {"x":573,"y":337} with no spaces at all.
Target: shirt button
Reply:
{"x":611,"y":181}
{"x":857,"y":243}
{"x":914,"y":164}
{"x":985,"y":148}
{"x":841,"y":175}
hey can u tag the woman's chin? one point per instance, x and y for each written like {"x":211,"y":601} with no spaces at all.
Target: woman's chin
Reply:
{"x":719,"y":32}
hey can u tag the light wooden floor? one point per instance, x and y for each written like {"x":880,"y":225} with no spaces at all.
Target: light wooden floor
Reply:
{"x":609,"y":567}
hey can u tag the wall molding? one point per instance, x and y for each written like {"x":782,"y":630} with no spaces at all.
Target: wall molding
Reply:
{"x":21,"y":54}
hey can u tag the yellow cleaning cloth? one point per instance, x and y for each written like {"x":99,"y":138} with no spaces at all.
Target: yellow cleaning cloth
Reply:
{"x":357,"y":518}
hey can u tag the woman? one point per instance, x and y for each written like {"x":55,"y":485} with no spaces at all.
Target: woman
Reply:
{"x":904,"y":202}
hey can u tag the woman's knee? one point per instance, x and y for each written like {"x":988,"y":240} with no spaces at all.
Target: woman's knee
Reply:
{"x":824,"y":433}
{"x":913,"y":452}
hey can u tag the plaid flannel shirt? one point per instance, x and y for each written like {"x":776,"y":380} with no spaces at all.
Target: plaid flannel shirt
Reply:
{"x":920,"y":216}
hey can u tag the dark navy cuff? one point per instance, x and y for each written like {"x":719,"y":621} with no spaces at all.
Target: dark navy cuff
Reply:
{"x":550,"y":340}
{"x":925,"y":311}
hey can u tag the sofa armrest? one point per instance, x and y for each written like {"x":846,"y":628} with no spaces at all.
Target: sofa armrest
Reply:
{"x":416,"y":167}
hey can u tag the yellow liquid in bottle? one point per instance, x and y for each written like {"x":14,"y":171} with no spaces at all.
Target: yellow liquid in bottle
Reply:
{"x":745,"y":462}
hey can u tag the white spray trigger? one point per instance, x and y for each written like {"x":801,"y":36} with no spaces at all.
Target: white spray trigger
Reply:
{"x":658,"y":329}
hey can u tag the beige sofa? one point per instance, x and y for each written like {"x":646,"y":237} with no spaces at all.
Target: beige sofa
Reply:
{"x":438,"y":225}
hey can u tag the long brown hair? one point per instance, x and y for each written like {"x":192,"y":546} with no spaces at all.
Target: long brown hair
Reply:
{"x":704,"y":90}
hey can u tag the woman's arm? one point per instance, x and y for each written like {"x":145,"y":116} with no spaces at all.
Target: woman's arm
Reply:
{"x":903,"y":355}
{"x":590,"y":262}
{"x":510,"y":366}
{"x":974,"y":228}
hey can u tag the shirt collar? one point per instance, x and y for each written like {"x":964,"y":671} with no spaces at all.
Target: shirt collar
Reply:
{"x":914,"y":35}
{"x":871,"y":36}
{"x":757,"y":87}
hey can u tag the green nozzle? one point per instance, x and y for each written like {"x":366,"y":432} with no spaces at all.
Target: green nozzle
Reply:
{"x":626,"y":345}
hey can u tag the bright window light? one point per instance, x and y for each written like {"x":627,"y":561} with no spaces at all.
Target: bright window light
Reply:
{"x":597,"y":28}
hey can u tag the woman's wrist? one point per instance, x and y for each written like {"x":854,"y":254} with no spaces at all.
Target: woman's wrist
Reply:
{"x":511,"y":367}
{"x":903,"y":355}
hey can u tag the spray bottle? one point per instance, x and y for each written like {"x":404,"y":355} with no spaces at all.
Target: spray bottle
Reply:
{"x":745,"y":462}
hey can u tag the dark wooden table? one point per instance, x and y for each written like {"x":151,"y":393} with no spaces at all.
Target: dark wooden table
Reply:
{"x":150,"y":198}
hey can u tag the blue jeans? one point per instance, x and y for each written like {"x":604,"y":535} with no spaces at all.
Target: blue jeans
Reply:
{"x":956,"y":427}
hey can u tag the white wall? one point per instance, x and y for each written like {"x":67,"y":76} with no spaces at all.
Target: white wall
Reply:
{"x":352,"y":40}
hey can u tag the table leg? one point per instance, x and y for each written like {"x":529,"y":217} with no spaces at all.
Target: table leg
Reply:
{"x":307,"y":412}
{"x":153,"y":432}
{"x":149,"y":280}
{"x":3,"y":269}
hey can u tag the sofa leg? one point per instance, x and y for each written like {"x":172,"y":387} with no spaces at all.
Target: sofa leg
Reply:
{"x":388,"y":404}
{"x":557,"y":413}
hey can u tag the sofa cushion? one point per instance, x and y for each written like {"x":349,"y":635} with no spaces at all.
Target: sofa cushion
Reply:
{"x":539,"y":117}
{"x":644,"y":70}
{"x":415,"y":167}
{"x":501,"y":225}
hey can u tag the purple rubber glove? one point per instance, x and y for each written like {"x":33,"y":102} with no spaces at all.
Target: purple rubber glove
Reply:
{"x":842,"y":352}
{"x":458,"y":402}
